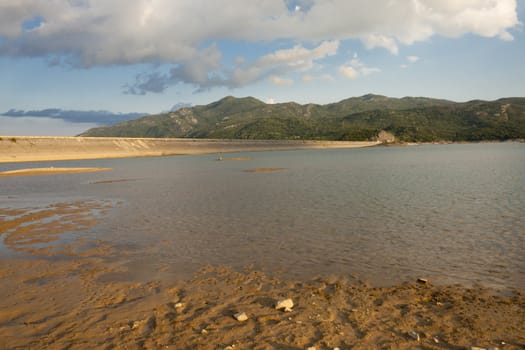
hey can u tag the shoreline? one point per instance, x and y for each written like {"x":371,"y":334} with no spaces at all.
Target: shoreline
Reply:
{"x":80,"y":293}
{"x":15,"y":149}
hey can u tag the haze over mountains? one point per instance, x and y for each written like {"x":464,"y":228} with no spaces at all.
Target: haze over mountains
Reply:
{"x":409,"y":119}
{"x":74,"y":116}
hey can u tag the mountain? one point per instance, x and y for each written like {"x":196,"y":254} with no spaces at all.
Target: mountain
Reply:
{"x":409,"y":119}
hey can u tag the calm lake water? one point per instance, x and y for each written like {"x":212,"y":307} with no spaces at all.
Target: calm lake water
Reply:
{"x":452,"y":213}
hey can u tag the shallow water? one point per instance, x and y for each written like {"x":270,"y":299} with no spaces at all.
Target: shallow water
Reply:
{"x":452,"y":213}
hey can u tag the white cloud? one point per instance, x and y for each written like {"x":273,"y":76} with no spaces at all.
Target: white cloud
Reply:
{"x":86,"y":33}
{"x":101,"y":32}
{"x":206,"y":70}
{"x":280,"y":81}
{"x":355,"y":68}
{"x":270,"y":101}
{"x":298,"y":56}
{"x":348,"y":72}
{"x":412,"y":59}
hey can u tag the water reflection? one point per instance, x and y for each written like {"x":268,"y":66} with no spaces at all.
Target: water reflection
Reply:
{"x":452,"y":213}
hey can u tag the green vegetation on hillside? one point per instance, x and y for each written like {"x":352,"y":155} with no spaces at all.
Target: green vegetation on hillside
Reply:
{"x":409,"y":119}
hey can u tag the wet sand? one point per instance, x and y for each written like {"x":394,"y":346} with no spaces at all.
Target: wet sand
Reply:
{"x":41,"y":148}
{"x":264,"y":170}
{"x":63,"y":290}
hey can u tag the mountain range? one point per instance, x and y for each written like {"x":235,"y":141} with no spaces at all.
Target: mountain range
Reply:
{"x":409,"y":119}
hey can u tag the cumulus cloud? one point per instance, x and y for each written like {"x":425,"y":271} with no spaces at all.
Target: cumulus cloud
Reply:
{"x":129,"y":31}
{"x":348,"y":72}
{"x":206,"y":71}
{"x":86,"y":33}
{"x":355,"y":68}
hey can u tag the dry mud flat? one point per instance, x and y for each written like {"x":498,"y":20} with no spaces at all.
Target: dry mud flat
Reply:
{"x":71,"y":294}
{"x":42,"y":148}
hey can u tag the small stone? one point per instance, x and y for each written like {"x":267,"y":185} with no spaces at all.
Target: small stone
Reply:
{"x":204,"y":331}
{"x":413,"y":335}
{"x":422,"y":280}
{"x":286,"y":304}
{"x":240,"y":316}
{"x":493,"y":348}
{"x":336,"y":348}
{"x":179,"y":305}
{"x":476,"y":348}
{"x":311,"y":348}
{"x":436,"y":340}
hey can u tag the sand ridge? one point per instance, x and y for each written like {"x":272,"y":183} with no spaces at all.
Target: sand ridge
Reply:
{"x":50,"y":171}
{"x":40,"y":148}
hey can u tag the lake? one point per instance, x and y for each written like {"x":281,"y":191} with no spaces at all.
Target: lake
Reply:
{"x":450,"y":213}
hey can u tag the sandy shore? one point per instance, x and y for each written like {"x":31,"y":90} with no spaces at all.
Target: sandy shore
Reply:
{"x":34,"y":148}
{"x":50,"y":171}
{"x":72,"y":293}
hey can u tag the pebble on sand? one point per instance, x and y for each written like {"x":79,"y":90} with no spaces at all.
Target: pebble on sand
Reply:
{"x":240,"y":316}
{"x":286,"y":304}
{"x":413,"y":335}
{"x":422,"y":280}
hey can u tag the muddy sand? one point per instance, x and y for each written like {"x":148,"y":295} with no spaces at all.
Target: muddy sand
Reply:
{"x":61,"y":290}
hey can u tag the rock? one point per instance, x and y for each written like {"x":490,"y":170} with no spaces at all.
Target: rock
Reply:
{"x":204,"y":331}
{"x":179,"y":305}
{"x":286,"y":304}
{"x":422,"y":280}
{"x":240,"y":316}
{"x":476,"y":348}
{"x":311,"y":348}
{"x":413,"y":335}
{"x":436,"y":340}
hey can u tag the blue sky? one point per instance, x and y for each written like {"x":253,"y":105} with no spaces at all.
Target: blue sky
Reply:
{"x":148,"y":55}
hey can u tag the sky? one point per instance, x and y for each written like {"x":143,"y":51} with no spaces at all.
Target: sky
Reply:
{"x":150,"y":55}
